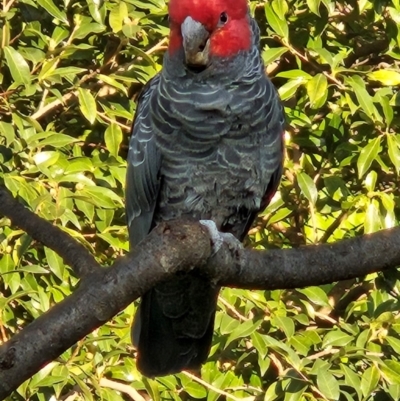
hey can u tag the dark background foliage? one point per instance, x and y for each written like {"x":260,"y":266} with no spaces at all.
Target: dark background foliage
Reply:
{"x":69,"y":73}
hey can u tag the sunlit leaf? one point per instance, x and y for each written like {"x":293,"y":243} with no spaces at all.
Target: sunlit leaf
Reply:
{"x":336,"y":338}
{"x":317,"y":89}
{"x":367,"y":155}
{"x":394,"y":151}
{"x":316,"y":295}
{"x":314,"y":6}
{"x":277,"y":22}
{"x":52,"y":9}
{"x":87,"y":105}
{"x":386,"y":77}
{"x":308,"y":187}
{"x":328,"y":385}
{"x":19,"y":68}
{"x":391,"y":370}
{"x":369,"y":380}
{"x":113,"y":138}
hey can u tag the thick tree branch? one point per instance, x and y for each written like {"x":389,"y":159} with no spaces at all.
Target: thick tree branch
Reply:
{"x":307,"y":265}
{"x":173,"y":247}
{"x":99,"y":297}
{"x":73,"y":253}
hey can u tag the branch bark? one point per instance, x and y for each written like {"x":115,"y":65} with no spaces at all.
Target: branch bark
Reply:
{"x":73,"y":253}
{"x":173,"y":247}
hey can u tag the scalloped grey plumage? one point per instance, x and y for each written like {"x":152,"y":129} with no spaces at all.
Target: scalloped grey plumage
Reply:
{"x":205,"y":145}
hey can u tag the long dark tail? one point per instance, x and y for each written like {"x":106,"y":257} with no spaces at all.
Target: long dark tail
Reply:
{"x":174,"y":325}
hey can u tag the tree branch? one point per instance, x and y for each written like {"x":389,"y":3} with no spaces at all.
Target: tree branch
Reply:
{"x":173,"y":247}
{"x":73,"y":253}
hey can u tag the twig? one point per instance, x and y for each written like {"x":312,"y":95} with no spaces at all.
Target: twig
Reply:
{"x":124,"y":127}
{"x":323,"y":316}
{"x":3,"y":333}
{"x":277,"y":363}
{"x":158,"y":46}
{"x":232,"y":309}
{"x":328,"y":351}
{"x":211,"y":387}
{"x":314,"y":64}
{"x":124,"y":388}
{"x":313,"y":388}
{"x":332,"y":228}
{"x":64,"y":99}
{"x":7,"y":6}
{"x":282,"y":371}
{"x":54,"y":104}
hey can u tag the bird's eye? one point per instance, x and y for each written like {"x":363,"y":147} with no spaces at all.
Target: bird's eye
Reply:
{"x":223,"y":18}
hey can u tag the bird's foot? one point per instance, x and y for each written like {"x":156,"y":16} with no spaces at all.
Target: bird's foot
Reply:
{"x":218,"y":238}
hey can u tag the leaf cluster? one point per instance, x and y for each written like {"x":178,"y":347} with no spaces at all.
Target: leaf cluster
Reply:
{"x":69,"y":72}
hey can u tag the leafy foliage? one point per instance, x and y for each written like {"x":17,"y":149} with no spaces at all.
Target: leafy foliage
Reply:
{"x":68,"y":72}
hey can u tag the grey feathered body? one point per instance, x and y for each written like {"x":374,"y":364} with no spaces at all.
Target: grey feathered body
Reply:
{"x":205,"y":145}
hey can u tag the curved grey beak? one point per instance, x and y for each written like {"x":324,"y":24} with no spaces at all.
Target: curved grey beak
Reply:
{"x":195,"y":42}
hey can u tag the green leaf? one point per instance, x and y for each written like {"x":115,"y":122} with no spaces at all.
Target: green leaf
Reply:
{"x":243,"y":330}
{"x":7,"y":132}
{"x":287,"y":90}
{"x":367,"y":155}
{"x":86,"y":208}
{"x":295,"y":74}
{"x":328,"y":385}
{"x":88,"y":29}
{"x":277,"y":23}
{"x":259,"y":343}
{"x":19,"y":68}
{"x":386,"y":77}
{"x":372,"y":221}
{"x":52,"y":9}
{"x":228,"y":324}
{"x":131,"y":30}
{"x":387,"y":111}
{"x":394,"y":391}
{"x":369,"y":380}
{"x":315,"y":295}
{"x":336,"y":338}
{"x":317,"y":89}
{"x":352,"y":379}
{"x":60,"y":33}
{"x":307,"y":186}
{"x":313,"y":5}
{"x":280,"y":7}
{"x":46,"y":159}
{"x":391,"y":370}
{"x":270,"y":55}
{"x":63,"y":71}
{"x":394,"y":343}
{"x":58,"y":140}
{"x":117,"y":15}
{"x":195,"y":390}
{"x":370,"y":180}
{"x":87,"y":105}
{"x":55,"y":263}
{"x":152,"y":388}
{"x":363,"y":97}
{"x":113,"y":138}
{"x":102,"y":197}
{"x":284,"y":323}
{"x":300,"y":344}
{"x":113,"y":82}
{"x":394,"y":151}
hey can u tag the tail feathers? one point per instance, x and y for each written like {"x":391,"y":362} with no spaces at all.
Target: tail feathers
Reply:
{"x":162,"y":348}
